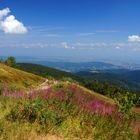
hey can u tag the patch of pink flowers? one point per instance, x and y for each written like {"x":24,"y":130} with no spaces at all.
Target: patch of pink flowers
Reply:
{"x":14,"y":94}
{"x":44,"y":93}
{"x":100,"y":107}
{"x":73,"y":93}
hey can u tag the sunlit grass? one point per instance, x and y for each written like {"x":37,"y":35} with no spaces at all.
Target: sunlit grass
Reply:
{"x":18,"y":79}
{"x":65,"y":110}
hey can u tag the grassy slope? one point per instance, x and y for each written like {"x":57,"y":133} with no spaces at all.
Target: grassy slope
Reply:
{"x":73,"y":123}
{"x":58,"y":74}
{"x":20,"y":78}
{"x":17,"y":78}
{"x":97,"y":95}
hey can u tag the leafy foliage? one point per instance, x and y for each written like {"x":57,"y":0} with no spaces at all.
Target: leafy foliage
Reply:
{"x":113,"y":92}
{"x":10,"y":61}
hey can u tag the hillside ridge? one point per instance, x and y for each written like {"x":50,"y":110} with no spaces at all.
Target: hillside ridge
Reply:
{"x":17,"y":78}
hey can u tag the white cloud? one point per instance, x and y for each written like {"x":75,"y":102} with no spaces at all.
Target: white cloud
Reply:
{"x":134,"y":38}
{"x":4,"y":12}
{"x":118,"y":47}
{"x":12,"y":26}
{"x":65,"y":45}
{"x":9,"y":24}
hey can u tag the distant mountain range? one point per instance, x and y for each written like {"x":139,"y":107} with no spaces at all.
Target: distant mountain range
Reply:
{"x":79,"y":66}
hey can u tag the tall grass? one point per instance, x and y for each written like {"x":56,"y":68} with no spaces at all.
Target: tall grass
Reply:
{"x":65,"y":110}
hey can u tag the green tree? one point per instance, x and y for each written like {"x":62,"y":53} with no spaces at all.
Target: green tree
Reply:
{"x":11,"y":61}
{"x":1,"y":60}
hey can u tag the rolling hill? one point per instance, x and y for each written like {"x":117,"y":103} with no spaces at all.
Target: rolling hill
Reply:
{"x":63,"y":109}
{"x":66,"y":110}
{"x":124,"y":81}
{"x":17,"y":78}
{"x":47,"y":71}
{"x":114,"y":78}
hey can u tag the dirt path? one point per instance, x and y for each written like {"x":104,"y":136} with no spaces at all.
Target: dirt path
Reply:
{"x":52,"y":137}
{"x":45,"y":85}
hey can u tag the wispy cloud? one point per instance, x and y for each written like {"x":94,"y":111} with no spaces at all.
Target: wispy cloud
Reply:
{"x":106,"y":31}
{"x":89,"y":46}
{"x":86,"y":34}
{"x":51,"y":35}
{"x":77,"y":46}
{"x":98,"y":31}
{"x":46,"y":29}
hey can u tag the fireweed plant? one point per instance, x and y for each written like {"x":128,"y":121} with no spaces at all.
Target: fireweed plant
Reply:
{"x":69,"y":110}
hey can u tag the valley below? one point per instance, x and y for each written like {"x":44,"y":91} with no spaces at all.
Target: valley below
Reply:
{"x":46,"y":103}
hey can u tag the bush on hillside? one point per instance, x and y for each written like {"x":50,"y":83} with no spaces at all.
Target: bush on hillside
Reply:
{"x":10,"y":61}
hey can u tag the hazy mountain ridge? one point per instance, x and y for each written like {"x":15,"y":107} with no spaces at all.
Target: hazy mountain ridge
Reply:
{"x":79,"y":66}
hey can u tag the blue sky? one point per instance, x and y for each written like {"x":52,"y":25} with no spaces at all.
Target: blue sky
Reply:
{"x":76,"y":29}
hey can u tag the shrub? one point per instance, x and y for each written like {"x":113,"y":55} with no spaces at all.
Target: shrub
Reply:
{"x":125,"y":102}
{"x":11,"y":61}
{"x":34,"y":111}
